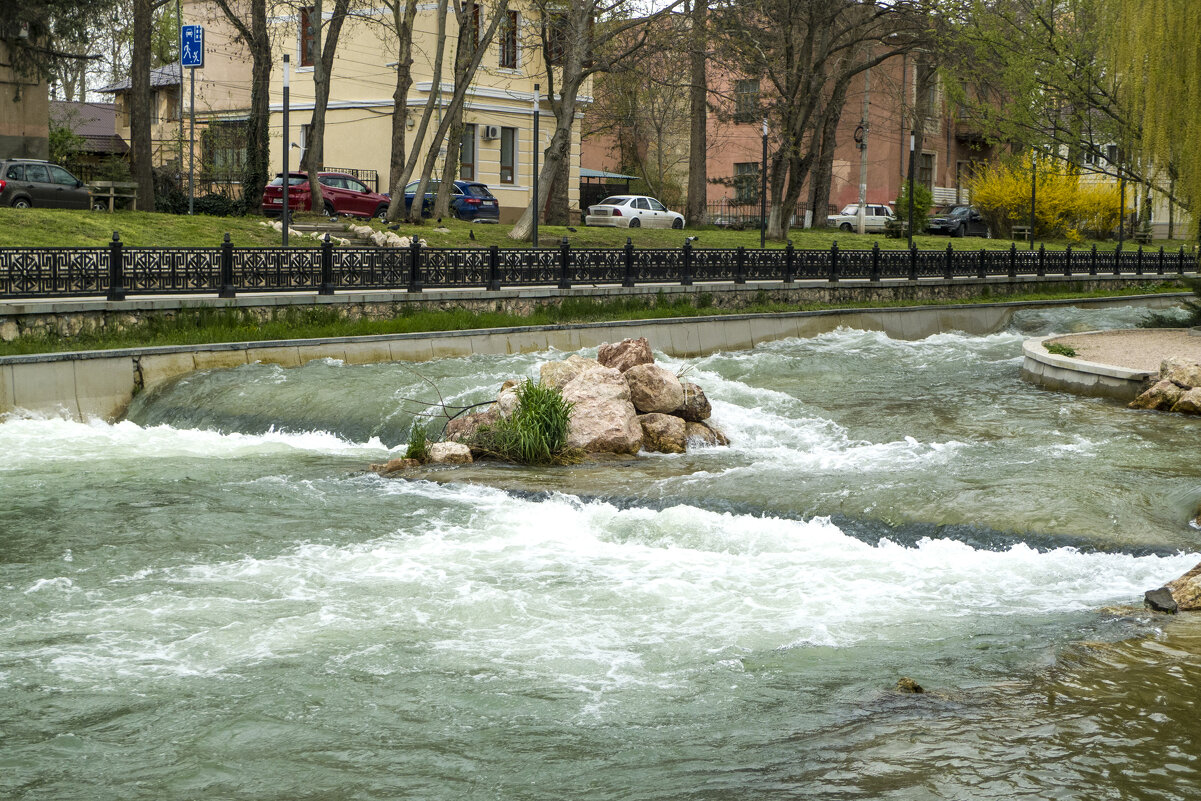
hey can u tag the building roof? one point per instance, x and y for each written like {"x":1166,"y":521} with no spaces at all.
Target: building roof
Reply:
{"x":166,"y":75}
{"x":586,"y":172}
{"x":95,"y":122}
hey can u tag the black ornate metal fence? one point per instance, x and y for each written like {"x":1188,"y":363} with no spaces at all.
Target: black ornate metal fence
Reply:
{"x":116,"y":271}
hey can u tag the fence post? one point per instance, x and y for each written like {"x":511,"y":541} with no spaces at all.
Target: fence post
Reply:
{"x":1013,"y":260}
{"x":628,"y":254}
{"x":981,"y":270}
{"x":415,"y":265}
{"x":1117,"y":260}
{"x":564,"y":264}
{"x":833,"y":275}
{"x":913,"y":262}
{"x":740,"y":265}
{"x":1092,"y":261}
{"x":1138,"y":261}
{"x":227,"y":269}
{"x":493,"y":268}
{"x":789,"y":255}
{"x":327,"y":267}
{"x":1159,"y":269}
{"x":686,"y":277}
{"x":1180,"y":261}
{"x":874,"y":276}
{"x":948,"y":271}
{"x":1067,"y":268}
{"x":1042,"y":260}
{"x":116,"y":269}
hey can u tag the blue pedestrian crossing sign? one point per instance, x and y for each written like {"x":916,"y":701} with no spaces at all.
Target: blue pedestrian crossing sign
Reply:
{"x":191,"y":45}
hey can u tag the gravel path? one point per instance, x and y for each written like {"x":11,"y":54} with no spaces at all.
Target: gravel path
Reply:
{"x":1136,"y":348}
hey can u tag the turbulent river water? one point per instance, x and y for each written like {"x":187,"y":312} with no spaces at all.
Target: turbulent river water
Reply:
{"x":213,"y":599}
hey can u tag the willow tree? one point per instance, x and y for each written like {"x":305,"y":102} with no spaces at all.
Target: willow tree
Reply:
{"x":1156,"y":63}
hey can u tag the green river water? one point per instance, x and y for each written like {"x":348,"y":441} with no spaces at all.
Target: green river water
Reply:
{"x":212,"y":599}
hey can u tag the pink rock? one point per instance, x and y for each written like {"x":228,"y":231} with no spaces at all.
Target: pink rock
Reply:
{"x":625,"y":354}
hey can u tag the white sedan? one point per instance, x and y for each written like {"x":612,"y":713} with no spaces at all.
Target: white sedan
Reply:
{"x":633,"y":211}
{"x":876,"y":217}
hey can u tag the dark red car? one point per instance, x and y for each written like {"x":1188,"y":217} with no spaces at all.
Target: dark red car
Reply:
{"x":342,"y":193}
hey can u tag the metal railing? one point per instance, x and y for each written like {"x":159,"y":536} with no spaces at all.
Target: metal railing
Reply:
{"x":116,"y":271}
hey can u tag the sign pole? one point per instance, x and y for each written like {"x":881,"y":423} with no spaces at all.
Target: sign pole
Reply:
{"x":537,"y":211}
{"x":287,"y":185}
{"x":191,"y":57}
{"x":192,"y":146}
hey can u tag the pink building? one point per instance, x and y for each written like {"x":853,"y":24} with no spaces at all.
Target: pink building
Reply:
{"x":946,"y":160}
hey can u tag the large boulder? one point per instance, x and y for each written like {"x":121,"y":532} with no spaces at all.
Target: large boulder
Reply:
{"x":695,"y":407}
{"x":625,"y":354}
{"x":1180,"y":372}
{"x":1162,"y":395}
{"x":662,"y":433}
{"x":464,"y":427}
{"x":654,"y":389}
{"x":704,"y":434}
{"x":1186,"y":590}
{"x":449,"y":453}
{"x":556,"y":374}
{"x":603,"y":419}
{"x":1189,"y":402}
{"x":394,"y":466}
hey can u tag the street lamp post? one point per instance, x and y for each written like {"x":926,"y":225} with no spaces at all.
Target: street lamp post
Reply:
{"x":287,"y":183}
{"x":763,"y":192}
{"x":534,"y":202}
{"x":1033,"y":190}
{"x":912,"y":145}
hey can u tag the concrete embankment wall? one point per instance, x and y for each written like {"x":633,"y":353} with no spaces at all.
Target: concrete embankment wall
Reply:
{"x":101,"y":383}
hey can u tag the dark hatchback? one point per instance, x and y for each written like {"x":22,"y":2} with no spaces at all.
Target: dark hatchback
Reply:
{"x":958,"y":221}
{"x":469,"y":201}
{"x":26,"y":183}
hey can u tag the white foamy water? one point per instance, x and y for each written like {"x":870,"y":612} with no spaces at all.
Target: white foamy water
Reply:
{"x":583,"y":595}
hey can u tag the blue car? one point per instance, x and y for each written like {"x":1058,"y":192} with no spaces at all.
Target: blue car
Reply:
{"x":469,"y":201}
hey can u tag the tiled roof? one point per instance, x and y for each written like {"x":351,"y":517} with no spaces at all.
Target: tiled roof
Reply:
{"x":167,"y":75}
{"x":95,"y":122}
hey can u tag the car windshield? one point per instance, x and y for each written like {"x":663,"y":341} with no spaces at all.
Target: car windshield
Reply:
{"x":960,"y":211}
{"x":478,"y":190}
{"x":614,"y":201}
{"x":293,"y":180}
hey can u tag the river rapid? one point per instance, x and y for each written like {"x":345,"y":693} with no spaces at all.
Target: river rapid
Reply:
{"x":213,"y":599}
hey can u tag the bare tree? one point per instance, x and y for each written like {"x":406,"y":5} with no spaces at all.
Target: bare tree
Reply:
{"x":249,"y":19}
{"x":579,"y":38}
{"x":324,"y":48}
{"x":698,"y":102}
{"x":402,"y":15}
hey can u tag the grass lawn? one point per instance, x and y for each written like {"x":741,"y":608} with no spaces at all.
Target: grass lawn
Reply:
{"x":71,"y":228}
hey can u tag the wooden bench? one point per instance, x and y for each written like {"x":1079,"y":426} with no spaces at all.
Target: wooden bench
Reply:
{"x":112,"y":191}
{"x":1021,"y":232}
{"x":896,"y":229}
{"x":1143,"y":236}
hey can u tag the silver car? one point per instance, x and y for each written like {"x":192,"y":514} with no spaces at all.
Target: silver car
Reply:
{"x":633,"y":211}
{"x":875,"y":219}
{"x":30,"y":182}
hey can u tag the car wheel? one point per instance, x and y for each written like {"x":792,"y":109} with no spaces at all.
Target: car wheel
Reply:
{"x":635,"y":223}
{"x":99,"y":205}
{"x":330,"y":211}
{"x":845,"y":227}
{"x":677,"y":223}
{"x":381,"y":213}
{"x":22,"y":203}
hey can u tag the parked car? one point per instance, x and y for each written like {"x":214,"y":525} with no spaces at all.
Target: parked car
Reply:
{"x":957,"y":221}
{"x":342,"y":193}
{"x":469,"y":200}
{"x":874,"y":220}
{"x":32,"y":182}
{"x":633,"y":211}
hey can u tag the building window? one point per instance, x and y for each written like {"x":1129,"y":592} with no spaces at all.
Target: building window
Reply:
{"x":508,"y":155}
{"x":746,"y":182}
{"x":508,"y":41}
{"x":308,"y":36}
{"x":925,"y":170}
{"x":554,"y":35}
{"x":746,"y":100}
{"x":467,"y":154}
{"x":223,"y":150}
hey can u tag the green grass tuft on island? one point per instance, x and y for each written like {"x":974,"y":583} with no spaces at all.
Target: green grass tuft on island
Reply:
{"x":71,"y":228}
{"x":205,"y":325}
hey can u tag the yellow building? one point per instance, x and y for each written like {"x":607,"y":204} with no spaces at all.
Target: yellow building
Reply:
{"x":499,"y":109}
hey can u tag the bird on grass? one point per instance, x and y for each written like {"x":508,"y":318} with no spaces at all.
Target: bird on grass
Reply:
{"x":394,"y":227}
{"x":439,"y":221}
{"x":569,"y":228}
{"x":333,"y":218}
{"x":691,"y":238}
{"x":471,"y":235}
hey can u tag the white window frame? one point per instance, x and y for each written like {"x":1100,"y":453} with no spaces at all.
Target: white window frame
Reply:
{"x":500,"y":155}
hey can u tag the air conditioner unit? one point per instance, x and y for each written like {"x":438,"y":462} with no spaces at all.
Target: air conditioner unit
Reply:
{"x":492,"y":132}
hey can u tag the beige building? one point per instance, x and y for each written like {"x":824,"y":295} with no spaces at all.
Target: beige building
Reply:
{"x":24,"y":112}
{"x":166,"y":136}
{"x":499,"y":110}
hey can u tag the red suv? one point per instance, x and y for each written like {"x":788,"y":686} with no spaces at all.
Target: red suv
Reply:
{"x":343,"y":194}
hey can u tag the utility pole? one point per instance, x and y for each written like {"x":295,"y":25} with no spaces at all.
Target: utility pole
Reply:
{"x":534,"y":202}
{"x":1033,"y":190}
{"x":861,"y":140}
{"x":287,"y":184}
{"x":909,"y":204}
{"x":763,"y":192}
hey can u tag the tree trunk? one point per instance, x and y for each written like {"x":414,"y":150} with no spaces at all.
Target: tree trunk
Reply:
{"x":464,"y":51}
{"x":258,"y":154}
{"x":141,"y":149}
{"x":323,"y":59}
{"x":698,"y":96}
{"x":822,"y":176}
{"x":396,"y":208}
{"x":403,"y":27}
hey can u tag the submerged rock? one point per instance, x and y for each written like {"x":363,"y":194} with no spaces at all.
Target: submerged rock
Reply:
{"x":654,"y":389}
{"x":1160,"y":600}
{"x":625,"y":354}
{"x":394,"y":466}
{"x":908,"y":685}
{"x":1186,"y":590}
{"x":695,"y":407}
{"x":1162,"y":395}
{"x":705,"y":434}
{"x":449,"y":453}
